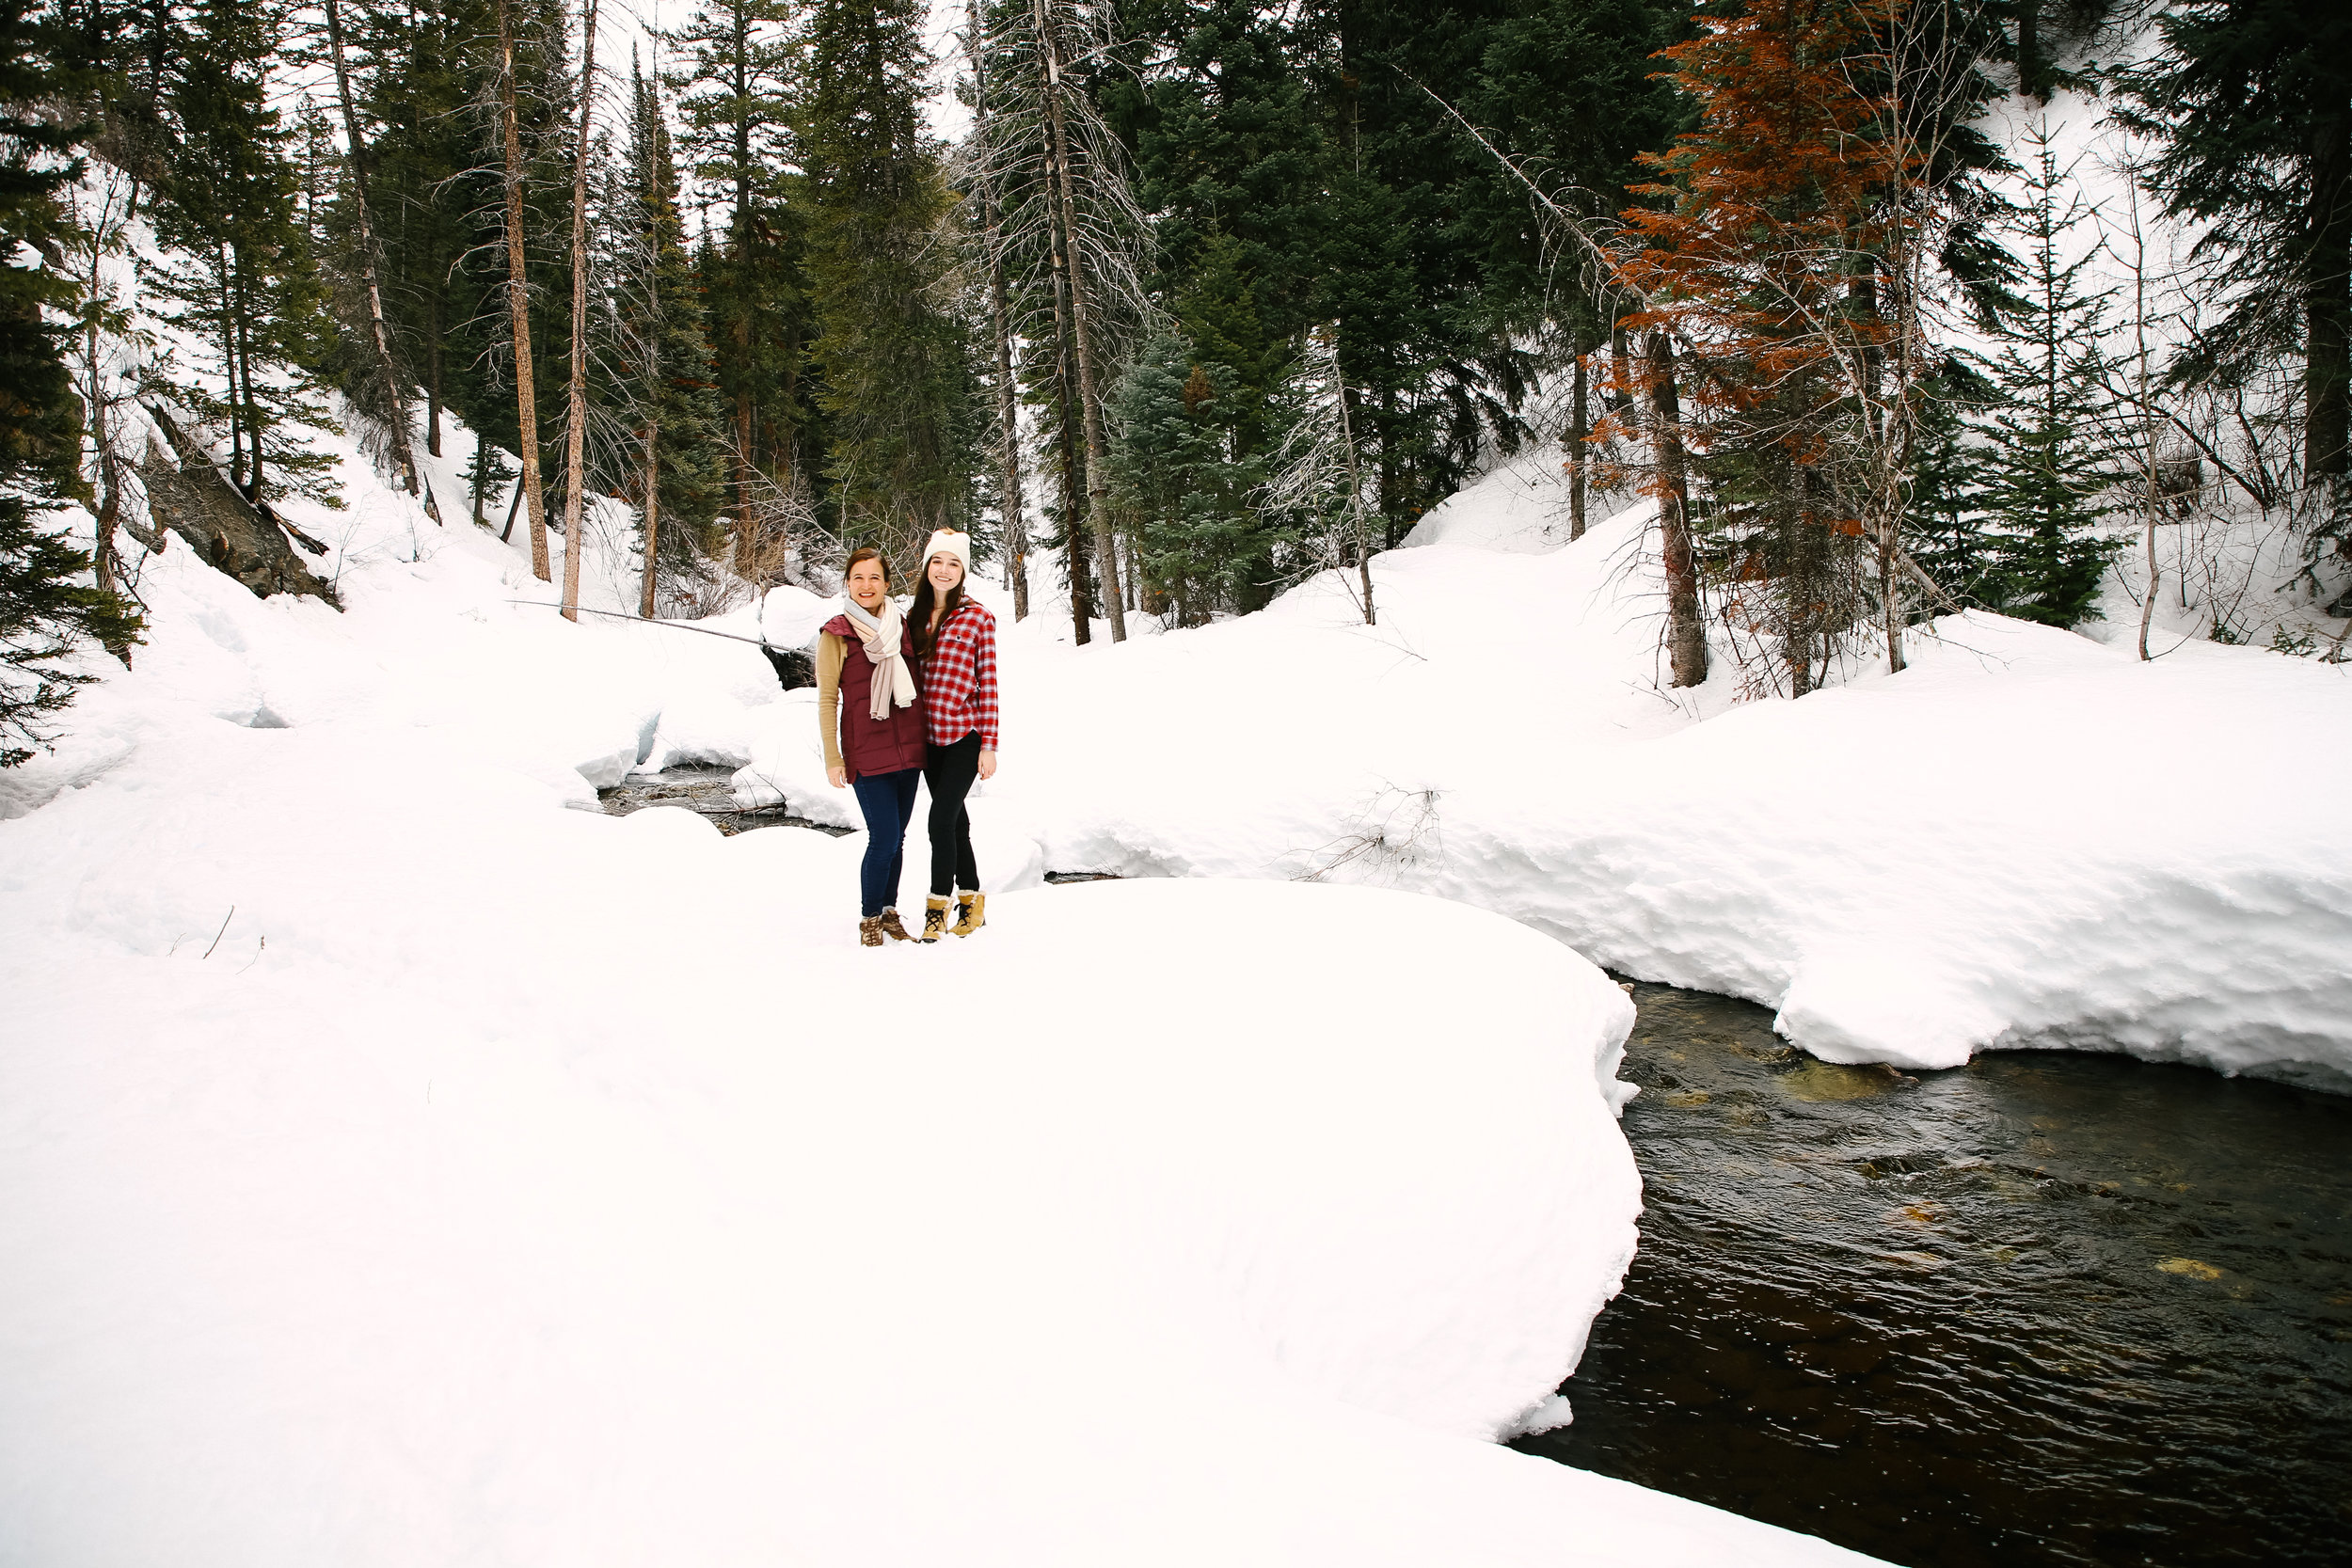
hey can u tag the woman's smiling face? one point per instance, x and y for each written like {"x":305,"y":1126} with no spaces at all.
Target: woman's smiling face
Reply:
{"x":867,"y":583}
{"x":944,"y":571}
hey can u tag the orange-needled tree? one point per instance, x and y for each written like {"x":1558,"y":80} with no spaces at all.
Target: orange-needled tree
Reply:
{"x":1786,"y":245}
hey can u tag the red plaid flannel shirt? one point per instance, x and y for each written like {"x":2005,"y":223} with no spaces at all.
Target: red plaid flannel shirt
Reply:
{"x":960,"y":678}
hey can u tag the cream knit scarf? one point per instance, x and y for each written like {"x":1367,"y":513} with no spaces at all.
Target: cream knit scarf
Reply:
{"x":880,"y":636}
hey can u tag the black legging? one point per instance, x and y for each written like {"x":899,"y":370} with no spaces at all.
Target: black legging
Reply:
{"x":948,"y":775}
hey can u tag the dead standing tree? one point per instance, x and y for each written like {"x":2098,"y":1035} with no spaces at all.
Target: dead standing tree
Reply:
{"x":1317,"y":473}
{"x":1053,"y":86}
{"x":576,"y":414}
{"x":1071,"y":240}
{"x":1000,"y":320}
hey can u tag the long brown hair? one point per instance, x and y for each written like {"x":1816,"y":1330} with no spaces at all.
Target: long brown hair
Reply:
{"x":919,"y":612}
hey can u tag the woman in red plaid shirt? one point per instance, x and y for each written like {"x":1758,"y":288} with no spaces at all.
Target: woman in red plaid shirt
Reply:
{"x":955,"y":638}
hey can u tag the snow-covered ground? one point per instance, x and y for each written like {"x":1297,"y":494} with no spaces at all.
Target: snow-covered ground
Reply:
{"x":397,"y":1166}
{"x":2029,"y":838}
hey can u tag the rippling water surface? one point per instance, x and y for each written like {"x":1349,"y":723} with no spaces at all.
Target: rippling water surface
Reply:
{"x":2048,"y":1309}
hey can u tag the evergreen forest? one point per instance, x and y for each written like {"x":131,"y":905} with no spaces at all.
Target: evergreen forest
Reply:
{"x":1206,"y":296}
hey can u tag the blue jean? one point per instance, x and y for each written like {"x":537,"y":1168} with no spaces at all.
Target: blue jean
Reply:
{"x":888,"y":801}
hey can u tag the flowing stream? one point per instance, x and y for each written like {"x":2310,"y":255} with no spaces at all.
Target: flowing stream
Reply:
{"x":2048,"y":1309}
{"x":2051,"y":1308}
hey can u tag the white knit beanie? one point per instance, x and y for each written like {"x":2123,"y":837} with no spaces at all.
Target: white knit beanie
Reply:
{"x":948,"y":542}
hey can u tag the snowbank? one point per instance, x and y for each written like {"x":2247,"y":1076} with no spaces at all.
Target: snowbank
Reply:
{"x":398,"y":1167}
{"x":537,"y":1186}
{"x":2027,"y":838}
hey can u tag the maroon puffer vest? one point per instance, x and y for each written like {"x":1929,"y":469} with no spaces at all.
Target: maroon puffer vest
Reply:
{"x":871,"y":745}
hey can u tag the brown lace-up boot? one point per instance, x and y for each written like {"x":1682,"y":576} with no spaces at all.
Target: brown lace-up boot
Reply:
{"x":971,"y":913}
{"x":934,"y":919}
{"x":892,"y":929}
{"x":869,"y":931}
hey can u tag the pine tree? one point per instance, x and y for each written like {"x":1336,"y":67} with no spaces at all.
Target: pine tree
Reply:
{"x":1946,"y":517}
{"x":988,"y":233}
{"x":2252,"y":103}
{"x":249,"y":285}
{"x":43,"y":609}
{"x":1789,"y":250}
{"x":888,"y":344}
{"x":423,"y":79}
{"x":2046,"y":465}
{"x":676,"y":407}
{"x":1175,"y":469}
{"x":387,"y":383}
{"x":1043,"y":67}
{"x":738,"y":89}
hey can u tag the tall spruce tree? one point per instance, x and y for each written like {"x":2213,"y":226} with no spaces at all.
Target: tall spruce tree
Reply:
{"x":44,"y":607}
{"x":1175,"y":468}
{"x":1948,"y":528}
{"x":675,"y":409}
{"x":2045,"y":462}
{"x":889,"y":343}
{"x":422,"y":74}
{"x":248,"y":285}
{"x":2252,"y":101}
{"x":737,"y":71}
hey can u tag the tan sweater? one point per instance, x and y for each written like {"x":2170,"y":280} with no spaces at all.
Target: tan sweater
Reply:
{"x":832,"y":653}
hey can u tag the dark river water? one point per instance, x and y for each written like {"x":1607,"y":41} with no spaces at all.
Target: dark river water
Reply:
{"x":2048,"y":1309}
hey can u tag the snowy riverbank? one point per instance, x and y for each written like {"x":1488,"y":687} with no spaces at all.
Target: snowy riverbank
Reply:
{"x":2027,"y":838}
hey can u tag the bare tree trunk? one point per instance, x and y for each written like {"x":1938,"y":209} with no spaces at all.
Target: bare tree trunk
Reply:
{"x":518,"y":304}
{"x":379,"y":334}
{"x":746,"y":527}
{"x":1580,"y":426}
{"x":229,"y":367}
{"x":2328,"y":364}
{"x":1804,"y":585}
{"x":1007,"y":413}
{"x":653,"y":515}
{"x":433,"y":384}
{"x":575,"y":416}
{"x":1355,"y":488}
{"x":2147,"y":416}
{"x":244,"y":340}
{"x":1072,"y":481}
{"x":1066,"y":256}
{"x":109,"y":476}
{"x":1686,"y":635}
{"x":1891,"y":603}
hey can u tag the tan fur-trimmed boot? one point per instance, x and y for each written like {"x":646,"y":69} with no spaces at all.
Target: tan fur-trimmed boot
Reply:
{"x":869,"y":931}
{"x":892,"y":929}
{"x":971,"y":913}
{"x":935,"y":919}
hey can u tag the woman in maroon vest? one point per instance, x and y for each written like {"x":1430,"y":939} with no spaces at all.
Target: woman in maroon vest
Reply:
{"x":870,"y":715}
